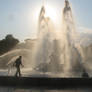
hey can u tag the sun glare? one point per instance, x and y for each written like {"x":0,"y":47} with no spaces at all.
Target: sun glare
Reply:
{"x":51,"y":12}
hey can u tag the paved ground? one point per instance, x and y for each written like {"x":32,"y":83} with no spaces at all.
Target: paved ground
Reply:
{"x":7,"y":89}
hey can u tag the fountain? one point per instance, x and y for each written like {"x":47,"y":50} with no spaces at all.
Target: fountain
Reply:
{"x":49,"y":53}
{"x":60,"y":58}
{"x":71,"y":56}
{"x":44,"y":42}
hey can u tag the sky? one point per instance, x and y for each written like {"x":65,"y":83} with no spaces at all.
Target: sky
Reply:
{"x":19,"y":17}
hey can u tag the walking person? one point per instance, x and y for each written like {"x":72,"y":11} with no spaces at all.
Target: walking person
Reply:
{"x":18,"y":64}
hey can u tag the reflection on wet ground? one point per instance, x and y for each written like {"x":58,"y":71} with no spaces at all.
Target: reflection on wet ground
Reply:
{"x":9,"y":89}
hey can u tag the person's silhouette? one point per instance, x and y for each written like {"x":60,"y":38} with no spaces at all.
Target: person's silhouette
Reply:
{"x":17,"y":64}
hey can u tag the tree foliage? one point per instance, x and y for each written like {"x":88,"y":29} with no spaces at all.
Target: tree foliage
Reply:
{"x":7,"y":43}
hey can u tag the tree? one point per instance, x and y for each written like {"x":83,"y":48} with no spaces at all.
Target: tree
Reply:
{"x":8,"y":43}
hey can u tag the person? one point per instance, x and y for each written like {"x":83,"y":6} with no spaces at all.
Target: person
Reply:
{"x":17,"y":64}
